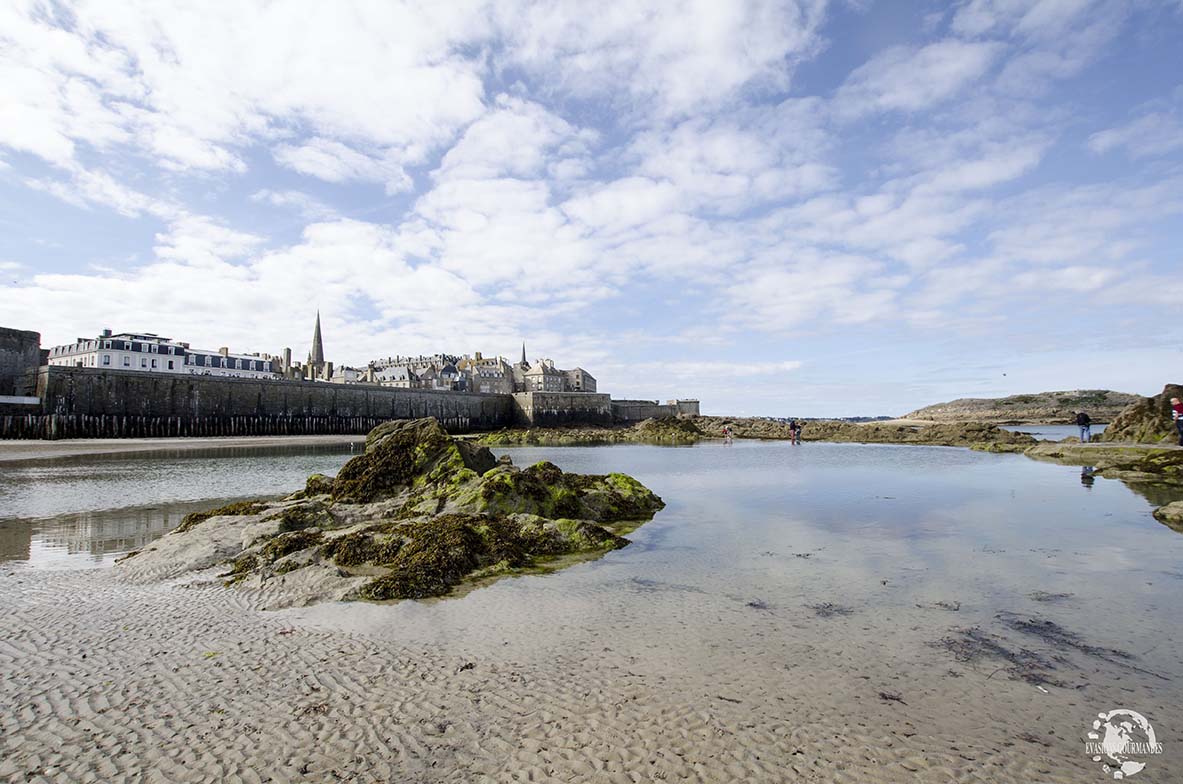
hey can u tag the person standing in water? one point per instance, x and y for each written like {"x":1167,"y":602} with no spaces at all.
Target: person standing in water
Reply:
{"x":1084,"y":423}
{"x":1177,"y":415}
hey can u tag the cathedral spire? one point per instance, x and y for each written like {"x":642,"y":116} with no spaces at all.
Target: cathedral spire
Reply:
{"x":317,"y":357}
{"x":524,"y":362}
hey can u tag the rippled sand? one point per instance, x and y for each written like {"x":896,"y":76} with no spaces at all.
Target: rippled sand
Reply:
{"x":107,"y":681}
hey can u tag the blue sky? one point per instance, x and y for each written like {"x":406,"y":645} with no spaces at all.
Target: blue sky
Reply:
{"x":789,"y":208}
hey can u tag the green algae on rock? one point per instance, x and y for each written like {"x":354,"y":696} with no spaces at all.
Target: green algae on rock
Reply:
{"x":418,"y":514}
{"x":662,"y":430}
{"x":978,"y":435}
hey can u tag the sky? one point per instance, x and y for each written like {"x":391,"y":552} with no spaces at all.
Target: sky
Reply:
{"x":800,"y":208}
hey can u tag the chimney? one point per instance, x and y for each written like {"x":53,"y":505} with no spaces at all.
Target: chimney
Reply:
{"x":224,"y":351}
{"x":106,"y":333}
{"x":478,"y":356}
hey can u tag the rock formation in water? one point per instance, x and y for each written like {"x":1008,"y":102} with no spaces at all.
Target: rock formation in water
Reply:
{"x":968,"y":434}
{"x":1171,"y":515}
{"x":1047,"y":408}
{"x":663,"y":430}
{"x":415,"y":515}
{"x":1146,"y":419}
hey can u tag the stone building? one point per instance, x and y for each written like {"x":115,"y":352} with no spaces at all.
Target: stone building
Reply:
{"x":399,"y":377}
{"x":544,"y":377}
{"x":579,"y":380}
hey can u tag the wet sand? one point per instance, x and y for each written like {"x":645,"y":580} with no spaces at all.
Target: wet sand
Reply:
{"x":48,"y":450}
{"x":184,"y":681}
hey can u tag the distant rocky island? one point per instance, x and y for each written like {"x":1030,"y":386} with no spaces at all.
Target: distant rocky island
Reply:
{"x":1043,"y":408}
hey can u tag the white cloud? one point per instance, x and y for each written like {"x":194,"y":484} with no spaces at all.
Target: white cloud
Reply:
{"x":333,"y":161}
{"x":308,"y":206}
{"x":908,"y":79}
{"x":515,"y":138}
{"x":1148,"y":136}
{"x":672,"y":58}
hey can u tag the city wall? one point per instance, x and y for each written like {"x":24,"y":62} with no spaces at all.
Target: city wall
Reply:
{"x":76,"y":402}
{"x":20,"y":354}
{"x":98,"y":403}
{"x":556,"y":409}
{"x":636,"y":410}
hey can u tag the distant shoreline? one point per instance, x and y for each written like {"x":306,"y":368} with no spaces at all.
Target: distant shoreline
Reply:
{"x":15,"y":451}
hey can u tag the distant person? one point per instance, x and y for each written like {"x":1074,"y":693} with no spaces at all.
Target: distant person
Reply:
{"x":1084,"y":423}
{"x":1177,"y":415}
{"x":793,"y":431}
{"x":727,"y":434}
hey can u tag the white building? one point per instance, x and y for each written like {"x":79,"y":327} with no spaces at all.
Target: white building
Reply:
{"x":146,"y":352}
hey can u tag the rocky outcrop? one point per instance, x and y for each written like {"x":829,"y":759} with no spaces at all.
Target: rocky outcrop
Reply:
{"x":416,"y":515}
{"x":1049,"y":408}
{"x":1146,"y":419}
{"x":1171,"y":515}
{"x":663,"y":430}
{"x":968,"y":434}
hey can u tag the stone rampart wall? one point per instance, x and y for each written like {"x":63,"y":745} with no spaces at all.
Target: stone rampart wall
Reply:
{"x":20,"y":354}
{"x":556,"y":409}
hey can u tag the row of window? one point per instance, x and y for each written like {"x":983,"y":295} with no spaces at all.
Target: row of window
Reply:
{"x":205,"y":360}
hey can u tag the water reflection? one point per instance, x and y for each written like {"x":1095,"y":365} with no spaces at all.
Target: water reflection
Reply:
{"x":1086,"y":476}
{"x":88,"y":510}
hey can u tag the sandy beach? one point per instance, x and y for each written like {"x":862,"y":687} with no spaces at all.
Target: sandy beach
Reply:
{"x":185,"y":681}
{"x":47,"y":450}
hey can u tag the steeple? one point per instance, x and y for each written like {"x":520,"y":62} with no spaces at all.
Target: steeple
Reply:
{"x":524,"y":362}
{"x":317,"y":357}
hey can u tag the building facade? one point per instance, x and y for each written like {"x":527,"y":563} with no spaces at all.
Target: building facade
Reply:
{"x":150,"y":353}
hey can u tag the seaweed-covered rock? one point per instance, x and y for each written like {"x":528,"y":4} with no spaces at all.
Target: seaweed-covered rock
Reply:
{"x":678,"y":430}
{"x":401,"y":453}
{"x":416,"y":515}
{"x":1146,"y":420}
{"x":663,"y":430}
{"x":979,"y":435}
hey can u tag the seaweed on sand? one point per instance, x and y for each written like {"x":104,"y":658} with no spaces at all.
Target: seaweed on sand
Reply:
{"x":972,"y":645}
{"x":440,"y":552}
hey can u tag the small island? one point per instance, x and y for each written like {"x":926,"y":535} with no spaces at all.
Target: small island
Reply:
{"x":414,"y":516}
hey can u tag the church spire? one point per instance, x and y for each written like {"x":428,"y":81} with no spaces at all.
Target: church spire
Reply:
{"x":524,"y":362}
{"x":317,"y":357}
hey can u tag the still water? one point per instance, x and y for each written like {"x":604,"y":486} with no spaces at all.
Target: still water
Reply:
{"x":929,"y":508}
{"x":87,"y":511}
{"x":1053,"y":432}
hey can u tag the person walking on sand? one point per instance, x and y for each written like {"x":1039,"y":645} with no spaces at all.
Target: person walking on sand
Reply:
{"x":1177,"y":415}
{"x":1084,"y":423}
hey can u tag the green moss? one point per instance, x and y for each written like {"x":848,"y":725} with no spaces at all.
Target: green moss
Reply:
{"x":236,"y":508}
{"x":318,"y":484}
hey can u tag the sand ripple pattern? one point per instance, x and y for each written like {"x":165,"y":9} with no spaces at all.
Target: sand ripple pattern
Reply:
{"x":107,"y":681}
